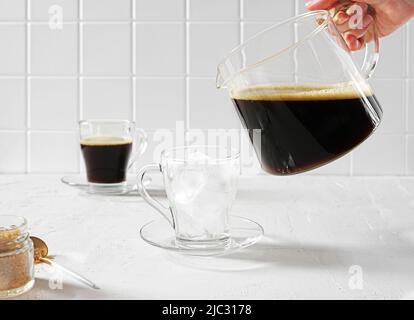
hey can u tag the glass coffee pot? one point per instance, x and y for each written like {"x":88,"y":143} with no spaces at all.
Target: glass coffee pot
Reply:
{"x":298,"y":92}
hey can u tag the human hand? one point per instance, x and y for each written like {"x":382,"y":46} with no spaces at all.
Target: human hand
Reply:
{"x":388,"y":16}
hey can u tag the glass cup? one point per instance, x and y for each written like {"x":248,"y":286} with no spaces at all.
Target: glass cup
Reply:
{"x":201,"y":185}
{"x":107,"y":146}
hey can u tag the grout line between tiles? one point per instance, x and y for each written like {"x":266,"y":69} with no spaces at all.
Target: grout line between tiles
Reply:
{"x":80,"y":11}
{"x":241,"y":10}
{"x":80,"y":50}
{"x":81,"y":116}
{"x":126,"y":76}
{"x":133,"y":40}
{"x":406,"y":89}
{"x":407,"y":125}
{"x":80,"y":64}
{"x":407,"y":82}
{"x":406,"y":96}
{"x":133,"y":64}
{"x":133,"y":71}
{"x":407,"y":49}
{"x":134,"y":49}
{"x":28,"y":88}
{"x":13,"y":131}
{"x":133,"y":9}
{"x":80,"y":72}
{"x":187,"y":70}
{"x":126,"y":21}
{"x":134,"y":100}
{"x":28,"y":141}
{"x":241,"y":23}
{"x":96,"y":77}
{"x":53,"y":131}
{"x":28,"y":11}
{"x":403,"y":152}
{"x":187,"y":104}
{"x":106,"y":77}
{"x":80,"y":98}
{"x":406,"y":154}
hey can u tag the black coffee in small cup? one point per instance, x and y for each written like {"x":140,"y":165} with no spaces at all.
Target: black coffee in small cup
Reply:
{"x":106,"y":158}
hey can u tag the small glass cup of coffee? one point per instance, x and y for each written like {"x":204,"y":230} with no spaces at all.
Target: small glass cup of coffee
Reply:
{"x":107,"y":146}
{"x":201,"y":185}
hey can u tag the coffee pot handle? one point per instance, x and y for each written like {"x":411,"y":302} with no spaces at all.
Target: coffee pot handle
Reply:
{"x":372,"y":47}
{"x":157,"y":205}
{"x":371,"y":55}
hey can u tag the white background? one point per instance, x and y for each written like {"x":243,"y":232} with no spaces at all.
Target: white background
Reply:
{"x":154,"y":61}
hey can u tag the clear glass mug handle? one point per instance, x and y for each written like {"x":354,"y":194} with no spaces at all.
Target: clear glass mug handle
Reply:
{"x":372,"y":47}
{"x":157,"y":205}
{"x":143,"y":144}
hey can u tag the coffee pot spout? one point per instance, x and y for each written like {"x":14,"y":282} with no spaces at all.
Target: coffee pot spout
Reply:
{"x":219,"y":80}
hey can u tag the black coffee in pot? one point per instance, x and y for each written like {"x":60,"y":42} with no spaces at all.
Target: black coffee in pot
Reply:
{"x":304,"y":127}
{"x":106,"y":158}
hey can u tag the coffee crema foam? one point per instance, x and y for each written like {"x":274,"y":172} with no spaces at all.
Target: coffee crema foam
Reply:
{"x":300,"y":92}
{"x":105,"y":141}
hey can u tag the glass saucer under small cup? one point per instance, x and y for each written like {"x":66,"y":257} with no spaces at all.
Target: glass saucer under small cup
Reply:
{"x":243,"y":234}
{"x":80,"y":182}
{"x":131,"y":187}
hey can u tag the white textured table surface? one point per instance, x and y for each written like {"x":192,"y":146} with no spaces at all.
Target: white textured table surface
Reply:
{"x":316,"y":229}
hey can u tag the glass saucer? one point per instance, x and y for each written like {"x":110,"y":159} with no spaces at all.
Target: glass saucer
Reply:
{"x":80,"y":182}
{"x":244,"y":233}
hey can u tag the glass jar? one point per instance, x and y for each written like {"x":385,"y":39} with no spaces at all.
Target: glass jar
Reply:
{"x":16,"y":257}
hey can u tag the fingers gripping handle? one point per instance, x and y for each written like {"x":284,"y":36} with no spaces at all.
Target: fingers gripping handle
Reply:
{"x":371,"y":38}
{"x":163,"y":210}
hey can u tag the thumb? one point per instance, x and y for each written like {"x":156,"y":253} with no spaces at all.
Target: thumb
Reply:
{"x":321,"y":4}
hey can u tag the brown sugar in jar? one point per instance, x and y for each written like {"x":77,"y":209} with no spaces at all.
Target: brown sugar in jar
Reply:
{"x":16,"y":257}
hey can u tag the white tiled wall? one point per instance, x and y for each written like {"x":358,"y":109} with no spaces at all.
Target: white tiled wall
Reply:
{"x":154,"y":61}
